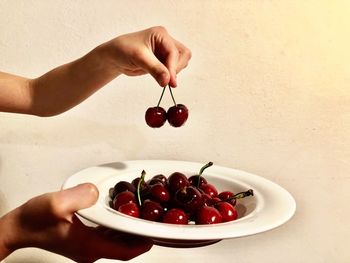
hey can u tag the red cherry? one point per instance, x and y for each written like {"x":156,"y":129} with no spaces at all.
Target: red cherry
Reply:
{"x":212,"y":201}
{"x":177,"y":181}
{"x":177,"y":115}
{"x":121,"y":187}
{"x":130,"y":209}
{"x":189,"y":198}
{"x":208,"y":215}
{"x":227,"y":211}
{"x":151,"y":210}
{"x":195,"y":178}
{"x":225,"y":196}
{"x":155,"y":117}
{"x":160,"y":177}
{"x":159,"y":193}
{"x":175,"y":216}
{"x":136,"y":181}
{"x":154,"y":181}
{"x":206,"y":199}
{"x":123,"y":198}
{"x":216,"y":200}
{"x":209,"y":189}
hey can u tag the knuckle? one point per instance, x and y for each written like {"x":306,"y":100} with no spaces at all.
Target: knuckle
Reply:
{"x":137,"y":54}
{"x":187,"y":53}
{"x":159,"y":29}
{"x":92,"y":190}
{"x":55,"y":207}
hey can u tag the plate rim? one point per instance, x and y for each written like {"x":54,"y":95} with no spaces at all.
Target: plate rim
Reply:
{"x":181,"y":231}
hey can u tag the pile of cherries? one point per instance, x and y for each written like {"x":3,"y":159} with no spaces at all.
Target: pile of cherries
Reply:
{"x":176,"y":199}
{"x":176,"y":115}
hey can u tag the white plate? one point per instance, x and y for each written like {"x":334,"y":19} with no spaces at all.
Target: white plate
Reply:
{"x":270,"y":207}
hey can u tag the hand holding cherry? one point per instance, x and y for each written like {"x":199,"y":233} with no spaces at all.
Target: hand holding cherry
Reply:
{"x":176,"y":115}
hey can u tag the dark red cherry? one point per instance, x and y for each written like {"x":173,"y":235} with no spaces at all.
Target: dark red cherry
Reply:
{"x":136,"y":181}
{"x":216,"y":200}
{"x":130,"y":209}
{"x":189,"y":198}
{"x":123,"y":198}
{"x":155,"y":117}
{"x":159,"y":193}
{"x":206,"y":199}
{"x":227,"y":211}
{"x":208,"y":215}
{"x":151,"y":210}
{"x":209,"y":189}
{"x":176,"y":181}
{"x":175,"y":216}
{"x":211,"y":201}
{"x":154,"y":181}
{"x":177,"y":115}
{"x":226,"y":195}
{"x":195,"y":178}
{"x":121,"y":187}
{"x":160,"y":177}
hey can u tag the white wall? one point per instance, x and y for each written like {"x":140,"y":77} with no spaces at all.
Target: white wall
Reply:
{"x":267,"y":89}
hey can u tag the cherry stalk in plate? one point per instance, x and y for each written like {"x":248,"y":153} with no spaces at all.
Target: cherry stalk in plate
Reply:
{"x":138,"y":189}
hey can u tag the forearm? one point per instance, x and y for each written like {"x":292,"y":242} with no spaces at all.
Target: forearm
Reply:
{"x":61,"y":88}
{"x":68,"y":85}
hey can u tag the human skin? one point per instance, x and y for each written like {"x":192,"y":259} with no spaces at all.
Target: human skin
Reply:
{"x":49,"y":222}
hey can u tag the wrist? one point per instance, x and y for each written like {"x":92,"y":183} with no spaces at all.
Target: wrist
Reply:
{"x":108,"y":55}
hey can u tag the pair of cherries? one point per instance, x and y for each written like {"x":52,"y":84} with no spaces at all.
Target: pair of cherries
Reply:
{"x":176,"y":115}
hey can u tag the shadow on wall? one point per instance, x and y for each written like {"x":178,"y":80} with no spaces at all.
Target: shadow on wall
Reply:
{"x":116,"y":165}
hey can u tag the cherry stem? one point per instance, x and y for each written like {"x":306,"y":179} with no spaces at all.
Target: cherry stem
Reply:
{"x":202,"y":170}
{"x":143,"y":173}
{"x":172,"y":96}
{"x":238,"y":196}
{"x":161,"y":96}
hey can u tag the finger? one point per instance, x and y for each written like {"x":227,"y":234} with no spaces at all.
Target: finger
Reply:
{"x":119,"y":245}
{"x":150,"y":63}
{"x":67,"y":202}
{"x":130,"y":247}
{"x":101,"y":242}
{"x":184,"y":56}
{"x":171,"y":63}
{"x":171,"y":56}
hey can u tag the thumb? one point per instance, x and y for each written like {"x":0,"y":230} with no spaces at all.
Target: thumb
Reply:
{"x":76,"y":198}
